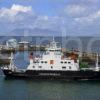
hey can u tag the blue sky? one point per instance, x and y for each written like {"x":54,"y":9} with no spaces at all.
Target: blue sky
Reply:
{"x":48,"y":7}
{"x":60,"y":17}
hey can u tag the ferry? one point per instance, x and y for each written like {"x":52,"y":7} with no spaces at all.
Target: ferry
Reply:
{"x":53,"y":65}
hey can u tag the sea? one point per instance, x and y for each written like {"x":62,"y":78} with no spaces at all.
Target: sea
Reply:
{"x":29,"y":89}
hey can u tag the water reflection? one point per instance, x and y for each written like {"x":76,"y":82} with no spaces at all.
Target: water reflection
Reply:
{"x":48,"y":89}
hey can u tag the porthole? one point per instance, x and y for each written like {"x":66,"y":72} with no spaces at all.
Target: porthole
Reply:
{"x":33,"y":66}
{"x":45,"y":61}
{"x":41,"y":61}
{"x":51,"y":67}
{"x":40,"y":66}
{"x":69,"y":62}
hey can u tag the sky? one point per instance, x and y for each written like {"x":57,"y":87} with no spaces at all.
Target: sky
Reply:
{"x":50,"y":17}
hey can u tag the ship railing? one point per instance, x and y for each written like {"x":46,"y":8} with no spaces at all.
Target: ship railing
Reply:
{"x":87,"y":69}
{"x":4,"y":67}
{"x":20,"y":70}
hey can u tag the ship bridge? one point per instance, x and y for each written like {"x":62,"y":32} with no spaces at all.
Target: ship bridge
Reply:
{"x":53,"y":46}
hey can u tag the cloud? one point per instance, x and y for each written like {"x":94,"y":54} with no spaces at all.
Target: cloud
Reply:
{"x":46,"y":22}
{"x":13,"y":11}
{"x":82,"y":18}
{"x":15,"y":16}
{"x":93,"y":1}
{"x":79,"y":19}
{"x":83,"y":13}
{"x":20,"y":8}
{"x":22,"y":17}
{"x":74,"y":10}
{"x":79,"y":10}
{"x":90,"y":19}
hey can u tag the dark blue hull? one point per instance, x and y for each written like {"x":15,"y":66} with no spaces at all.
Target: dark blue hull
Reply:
{"x":73,"y":75}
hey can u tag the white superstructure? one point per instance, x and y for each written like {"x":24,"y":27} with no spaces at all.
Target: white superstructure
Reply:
{"x":53,"y":59}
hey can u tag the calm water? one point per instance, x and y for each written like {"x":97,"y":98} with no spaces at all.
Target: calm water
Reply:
{"x":48,"y":90}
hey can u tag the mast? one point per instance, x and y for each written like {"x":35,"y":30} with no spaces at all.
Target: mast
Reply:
{"x":12,"y":66}
{"x":31,"y":58}
{"x":53,"y":39}
{"x":96,"y":63}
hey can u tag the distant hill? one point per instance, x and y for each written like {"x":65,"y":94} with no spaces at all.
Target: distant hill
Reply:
{"x":34,"y":32}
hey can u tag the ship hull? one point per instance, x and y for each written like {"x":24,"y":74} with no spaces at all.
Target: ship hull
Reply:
{"x":41,"y":74}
